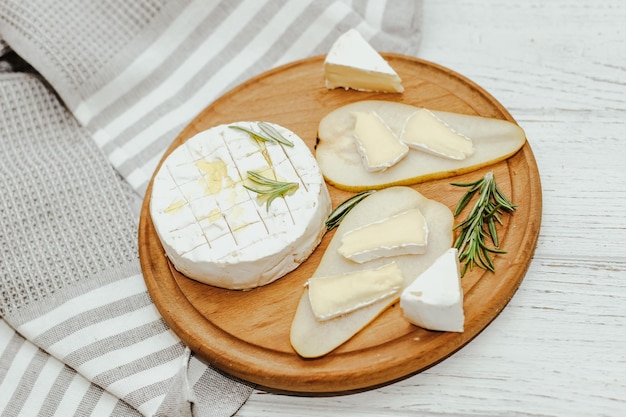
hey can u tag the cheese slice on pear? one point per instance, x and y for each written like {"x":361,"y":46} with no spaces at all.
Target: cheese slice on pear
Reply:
{"x":401,"y":234}
{"x":378,"y":146}
{"x":311,"y":337}
{"x":492,"y":140}
{"x":335,"y":295}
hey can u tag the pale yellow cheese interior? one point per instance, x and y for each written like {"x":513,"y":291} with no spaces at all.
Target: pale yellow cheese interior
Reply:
{"x":332,"y":296}
{"x":401,"y":234}
{"x":378,"y":145}
{"x":353,"y":63}
{"x":427,"y":132}
{"x":358,"y":79}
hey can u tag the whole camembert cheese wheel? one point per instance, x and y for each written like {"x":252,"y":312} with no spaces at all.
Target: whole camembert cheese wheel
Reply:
{"x":213,"y":225}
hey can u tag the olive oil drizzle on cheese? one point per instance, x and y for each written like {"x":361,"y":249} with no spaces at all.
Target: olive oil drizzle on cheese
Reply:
{"x":169,"y":171}
{"x":213,"y":173}
{"x":242,"y":177}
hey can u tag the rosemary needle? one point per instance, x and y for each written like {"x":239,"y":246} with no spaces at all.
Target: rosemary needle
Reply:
{"x":480,"y":223}
{"x":337,"y":215}
{"x":268,"y":133}
{"x":269,"y":187}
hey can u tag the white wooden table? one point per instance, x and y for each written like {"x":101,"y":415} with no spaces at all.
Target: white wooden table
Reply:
{"x":559,"y":347}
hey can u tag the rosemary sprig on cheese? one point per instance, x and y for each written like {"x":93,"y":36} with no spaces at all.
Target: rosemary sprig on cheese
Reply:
{"x":480,"y":223}
{"x":337,"y":215}
{"x":269,"y":187}
{"x":268,"y":134}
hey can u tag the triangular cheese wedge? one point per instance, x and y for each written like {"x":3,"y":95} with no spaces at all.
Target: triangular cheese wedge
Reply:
{"x":353,"y":63}
{"x":434,"y":300}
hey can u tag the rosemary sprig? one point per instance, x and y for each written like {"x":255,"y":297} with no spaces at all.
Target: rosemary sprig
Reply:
{"x":268,"y":133}
{"x":269,"y":187}
{"x":336,"y":216}
{"x":480,"y":223}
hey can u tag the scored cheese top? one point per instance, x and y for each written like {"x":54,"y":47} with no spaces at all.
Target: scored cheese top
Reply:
{"x":216,"y":231}
{"x":353,"y":63}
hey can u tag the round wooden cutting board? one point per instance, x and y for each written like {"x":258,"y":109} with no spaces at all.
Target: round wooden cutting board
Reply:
{"x":246,"y":333}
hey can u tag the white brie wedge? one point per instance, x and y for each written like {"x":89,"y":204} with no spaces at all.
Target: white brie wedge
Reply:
{"x":218,"y":232}
{"x":353,"y":63}
{"x":434,"y":300}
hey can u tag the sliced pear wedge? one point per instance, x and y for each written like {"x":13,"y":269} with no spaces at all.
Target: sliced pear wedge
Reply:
{"x":314,"y":338}
{"x":493,"y":139}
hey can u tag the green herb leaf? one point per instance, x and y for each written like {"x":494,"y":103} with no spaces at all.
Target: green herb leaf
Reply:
{"x":271,"y":131}
{"x":480,"y":223}
{"x":268,"y":133}
{"x":336,"y":216}
{"x":269,"y":187}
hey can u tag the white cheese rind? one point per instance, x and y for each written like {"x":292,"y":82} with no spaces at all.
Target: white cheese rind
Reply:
{"x":353,"y":63}
{"x":334,"y":295}
{"x":404,"y":233}
{"x":434,"y":300}
{"x":217,"y":232}
{"x":377,"y":144}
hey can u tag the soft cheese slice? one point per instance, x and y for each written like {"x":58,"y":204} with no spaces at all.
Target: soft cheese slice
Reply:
{"x":427,"y":132}
{"x":216,"y":231}
{"x":353,"y":63}
{"x":311,"y":337}
{"x":493,"y":139}
{"x":334,"y":295}
{"x":377,"y":144}
{"x":434,"y":300}
{"x":405,"y":233}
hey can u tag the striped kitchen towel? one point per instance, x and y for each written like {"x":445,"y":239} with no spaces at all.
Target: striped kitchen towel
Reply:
{"x":112,"y":83}
{"x":36,"y":383}
{"x":71,"y":283}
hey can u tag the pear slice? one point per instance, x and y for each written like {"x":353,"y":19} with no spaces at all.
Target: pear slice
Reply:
{"x":313,"y":338}
{"x":493,"y":140}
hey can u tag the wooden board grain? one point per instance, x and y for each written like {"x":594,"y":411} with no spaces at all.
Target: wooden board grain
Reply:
{"x":247,"y":333}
